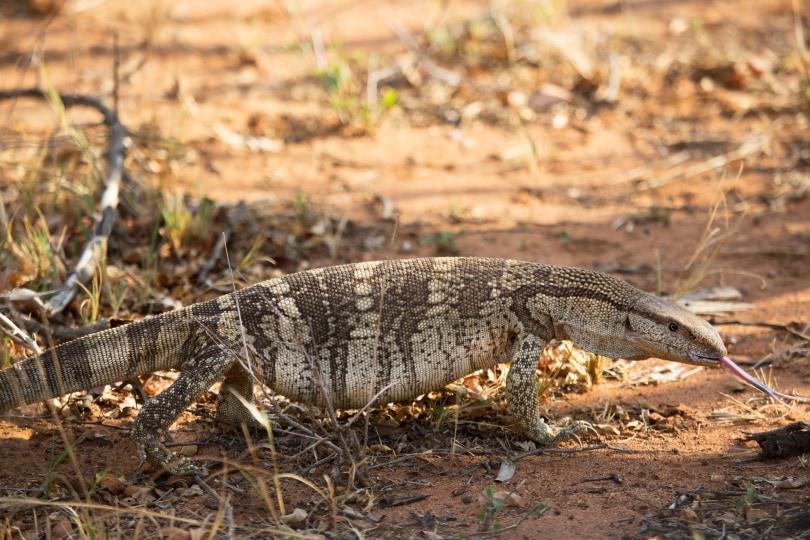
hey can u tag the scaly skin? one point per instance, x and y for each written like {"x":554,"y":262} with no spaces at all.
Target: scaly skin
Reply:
{"x":413,"y":324}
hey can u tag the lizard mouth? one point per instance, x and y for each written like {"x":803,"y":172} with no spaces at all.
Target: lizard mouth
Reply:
{"x":704,"y":360}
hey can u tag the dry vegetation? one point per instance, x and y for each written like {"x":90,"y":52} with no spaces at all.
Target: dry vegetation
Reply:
{"x":711,"y":103}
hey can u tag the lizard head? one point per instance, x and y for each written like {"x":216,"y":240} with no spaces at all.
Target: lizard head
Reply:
{"x":663,"y":330}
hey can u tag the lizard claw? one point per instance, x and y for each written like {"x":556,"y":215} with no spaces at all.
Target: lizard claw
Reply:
{"x":569,"y":429}
{"x":152,"y":451}
{"x":564,"y":429}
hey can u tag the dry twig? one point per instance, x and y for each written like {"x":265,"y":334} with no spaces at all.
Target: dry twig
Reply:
{"x":92,"y":252}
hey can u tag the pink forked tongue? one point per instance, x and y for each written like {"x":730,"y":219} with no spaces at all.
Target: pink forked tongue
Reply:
{"x":778,"y":396}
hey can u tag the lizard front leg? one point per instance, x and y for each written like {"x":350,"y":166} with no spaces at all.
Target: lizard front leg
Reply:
{"x":523,"y":401}
{"x":160,"y":412}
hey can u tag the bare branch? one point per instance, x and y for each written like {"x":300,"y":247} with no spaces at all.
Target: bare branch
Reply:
{"x":92,"y":252}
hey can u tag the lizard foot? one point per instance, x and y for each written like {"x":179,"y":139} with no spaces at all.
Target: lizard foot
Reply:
{"x":153,"y":451}
{"x":562,"y":430}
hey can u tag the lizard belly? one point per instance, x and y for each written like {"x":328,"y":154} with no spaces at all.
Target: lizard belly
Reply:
{"x":435,"y":358}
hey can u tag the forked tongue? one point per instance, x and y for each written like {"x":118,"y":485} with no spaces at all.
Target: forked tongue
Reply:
{"x":740,"y":372}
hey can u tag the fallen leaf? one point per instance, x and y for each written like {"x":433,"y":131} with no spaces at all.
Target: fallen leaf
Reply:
{"x":506,"y":471}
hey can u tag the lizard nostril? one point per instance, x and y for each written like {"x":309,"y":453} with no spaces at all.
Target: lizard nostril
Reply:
{"x":673,"y":327}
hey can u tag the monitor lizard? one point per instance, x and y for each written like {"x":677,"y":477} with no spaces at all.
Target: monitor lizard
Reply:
{"x":397,"y":328}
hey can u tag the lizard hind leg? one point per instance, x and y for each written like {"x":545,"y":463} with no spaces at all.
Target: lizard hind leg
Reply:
{"x":161,"y":411}
{"x":230,"y":408}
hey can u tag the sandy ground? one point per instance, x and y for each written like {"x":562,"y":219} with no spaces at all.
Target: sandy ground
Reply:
{"x":530,"y":154}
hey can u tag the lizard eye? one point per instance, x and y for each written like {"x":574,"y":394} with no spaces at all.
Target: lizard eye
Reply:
{"x":673,"y":327}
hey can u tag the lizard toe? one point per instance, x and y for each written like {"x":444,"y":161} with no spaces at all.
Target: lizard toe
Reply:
{"x":570,"y":429}
{"x":156,"y":454}
{"x":562,"y":430}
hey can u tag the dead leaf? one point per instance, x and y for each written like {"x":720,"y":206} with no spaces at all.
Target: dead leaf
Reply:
{"x":175,"y":533}
{"x":788,"y":483}
{"x":506,"y":471}
{"x":62,"y":529}
{"x":606,"y":429}
{"x":510,"y":498}
{"x":191,"y":491}
{"x":752,"y":515}
{"x":296,"y":516}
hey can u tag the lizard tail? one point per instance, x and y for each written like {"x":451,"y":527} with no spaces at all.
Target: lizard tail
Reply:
{"x":113,"y":355}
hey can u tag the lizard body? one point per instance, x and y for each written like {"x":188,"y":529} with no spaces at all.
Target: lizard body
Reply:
{"x":411,"y":325}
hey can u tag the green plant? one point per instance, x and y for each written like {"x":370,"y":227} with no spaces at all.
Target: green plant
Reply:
{"x":116,"y":292}
{"x":444,"y":242}
{"x":659,"y":214}
{"x":56,"y":459}
{"x":90,"y":308}
{"x":438,"y":408}
{"x":339,"y":82}
{"x":492,"y":506}
{"x":747,"y":499}
{"x":302,"y":209}
{"x":182,"y":225}
{"x":33,"y":253}
{"x":344,"y":90}
{"x":442,"y":38}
